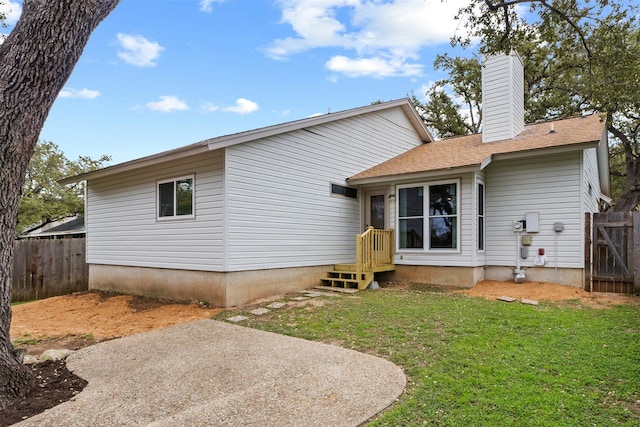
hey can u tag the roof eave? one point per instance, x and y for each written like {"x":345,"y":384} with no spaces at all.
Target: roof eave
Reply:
{"x":413,"y":176}
{"x":544,"y":150}
{"x":178,"y":153}
{"x":266,"y":132}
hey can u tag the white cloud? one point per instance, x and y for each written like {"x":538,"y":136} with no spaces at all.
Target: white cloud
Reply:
{"x":11,"y":10}
{"x":208,"y":107}
{"x":78,"y":93}
{"x":207,"y":5}
{"x":385,"y":37}
{"x":243,"y":106}
{"x":138,"y":51}
{"x":374,"y":67}
{"x":167,"y":103}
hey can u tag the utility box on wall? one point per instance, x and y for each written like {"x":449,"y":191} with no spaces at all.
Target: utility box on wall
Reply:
{"x":531,"y":219}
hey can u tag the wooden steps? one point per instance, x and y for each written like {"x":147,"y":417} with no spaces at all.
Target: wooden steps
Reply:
{"x":341,"y":278}
{"x":374,"y":254}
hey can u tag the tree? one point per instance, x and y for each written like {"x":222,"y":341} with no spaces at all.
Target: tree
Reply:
{"x":36,"y":60}
{"x":43,"y":199}
{"x":578,"y":56}
{"x":442,"y":113}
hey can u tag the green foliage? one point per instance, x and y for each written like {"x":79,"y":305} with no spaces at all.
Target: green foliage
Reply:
{"x":43,"y":199}
{"x":472,"y":362}
{"x":441,"y":112}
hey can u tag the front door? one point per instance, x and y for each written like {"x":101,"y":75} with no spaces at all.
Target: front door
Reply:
{"x":375,"y":209}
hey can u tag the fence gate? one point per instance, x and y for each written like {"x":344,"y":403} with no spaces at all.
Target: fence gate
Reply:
{"x":615,"y":246}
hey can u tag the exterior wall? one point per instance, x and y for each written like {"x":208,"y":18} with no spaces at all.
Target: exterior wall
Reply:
{"x":549,"y":185}
{"x":122,"y":224}
{"x":553,"y":186}
{"x":215,"y":288}
{"x":280,"y":209}
{"x":502,"y":97}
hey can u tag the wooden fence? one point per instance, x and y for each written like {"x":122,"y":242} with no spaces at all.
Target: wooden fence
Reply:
{"x":614,"y":258}
{"x":45,"y":268}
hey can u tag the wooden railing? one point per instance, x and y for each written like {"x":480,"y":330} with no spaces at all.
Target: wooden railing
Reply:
{"x":374,"y":248}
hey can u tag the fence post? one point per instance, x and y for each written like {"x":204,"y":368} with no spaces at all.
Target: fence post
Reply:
{"x":587,"y":251}
{"x":636,"y":252}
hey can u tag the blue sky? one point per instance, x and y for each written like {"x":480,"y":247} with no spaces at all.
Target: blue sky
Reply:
{"x":160,"y":74}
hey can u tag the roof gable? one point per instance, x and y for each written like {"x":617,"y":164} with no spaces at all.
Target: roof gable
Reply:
{"x":469,"y":151}
{"x":404,"y":104}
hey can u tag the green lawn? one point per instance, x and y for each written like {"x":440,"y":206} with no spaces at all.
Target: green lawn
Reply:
{"x":472,"y":362}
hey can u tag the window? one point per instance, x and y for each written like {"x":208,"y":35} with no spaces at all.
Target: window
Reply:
{"x":428,"y":216}
{"x":411,"y":218}
{"x":175,"y":198}
{"x":481,"y":207}
{"x":341,"y":190}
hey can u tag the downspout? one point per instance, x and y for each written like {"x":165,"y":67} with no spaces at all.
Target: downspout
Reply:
{"x":518,"y":274}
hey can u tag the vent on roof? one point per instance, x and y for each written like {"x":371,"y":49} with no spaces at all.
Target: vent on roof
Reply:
{"x":502,"y":97}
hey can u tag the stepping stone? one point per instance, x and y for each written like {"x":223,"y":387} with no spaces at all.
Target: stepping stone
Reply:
{"x":298,"y":298}
{"x":312,"y":294}
{"x":529,"y":301}
{"x":260,"y":311}
{"x":54,"y":354}
{"x":237,"y":318}
{"x":333,"y":289}
{"x":276,"y":305}
{"x":506,"y":299}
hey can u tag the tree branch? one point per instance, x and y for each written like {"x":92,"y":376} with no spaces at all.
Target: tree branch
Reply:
{"x":504,"y":4}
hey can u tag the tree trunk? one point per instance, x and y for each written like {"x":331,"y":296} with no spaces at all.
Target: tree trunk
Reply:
{"x":630,"y":198}
{"x":36,"y":60}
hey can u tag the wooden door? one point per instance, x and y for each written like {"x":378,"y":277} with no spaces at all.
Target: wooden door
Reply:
{"x":375,"y":209}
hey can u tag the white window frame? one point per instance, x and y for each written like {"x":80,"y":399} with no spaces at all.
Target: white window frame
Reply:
{"x":425,"y":210}
{"x":482,"y":237}
{"x":175,"y":216}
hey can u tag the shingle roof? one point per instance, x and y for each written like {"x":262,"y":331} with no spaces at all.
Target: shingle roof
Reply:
{"x":465,"y":151}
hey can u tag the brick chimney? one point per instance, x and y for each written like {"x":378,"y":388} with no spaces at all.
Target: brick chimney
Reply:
{"x":502,"y":97}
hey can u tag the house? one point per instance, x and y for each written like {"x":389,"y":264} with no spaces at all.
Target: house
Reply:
{"x":63,"y":228}
{"x":244,"y":216}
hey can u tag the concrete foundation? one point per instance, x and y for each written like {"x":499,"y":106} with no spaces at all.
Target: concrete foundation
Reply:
{"x":234,"y":288}
{"x":458,"y":277}
{"x":563,"y":276}
{"x":214,"y":288}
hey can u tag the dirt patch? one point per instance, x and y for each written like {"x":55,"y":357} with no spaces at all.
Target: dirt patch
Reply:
{"x":76,"y":320}
{"x":544,"y":291}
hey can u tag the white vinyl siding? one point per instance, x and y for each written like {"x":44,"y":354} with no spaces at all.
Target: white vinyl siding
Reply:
{"x":123,"y":228}
{"x":502,"y":97}
{"x":548,"y":185}
{"x":280,"y":210}
{"x":591,"y":181}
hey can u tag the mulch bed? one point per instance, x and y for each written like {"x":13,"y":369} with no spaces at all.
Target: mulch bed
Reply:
{"x":54,"y":385}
